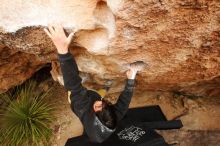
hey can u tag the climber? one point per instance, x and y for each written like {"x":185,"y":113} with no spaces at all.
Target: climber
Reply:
{"x":98,"y":116}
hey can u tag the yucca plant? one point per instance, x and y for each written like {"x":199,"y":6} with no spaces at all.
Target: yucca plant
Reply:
{"x":26,"y":120}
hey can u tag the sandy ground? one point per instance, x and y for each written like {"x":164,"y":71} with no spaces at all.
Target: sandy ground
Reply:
{"x":200,"y":117}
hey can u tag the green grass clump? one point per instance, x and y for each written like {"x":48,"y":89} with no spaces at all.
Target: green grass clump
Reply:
{"x":26,"y":119}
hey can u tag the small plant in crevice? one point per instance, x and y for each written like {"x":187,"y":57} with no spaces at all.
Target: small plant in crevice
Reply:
{"x":177,"y":94}
{"x":27,"y":117}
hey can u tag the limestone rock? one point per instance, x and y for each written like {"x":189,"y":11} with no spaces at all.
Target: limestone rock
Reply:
{"x":179,"y":40}
{"x":16,"y":67}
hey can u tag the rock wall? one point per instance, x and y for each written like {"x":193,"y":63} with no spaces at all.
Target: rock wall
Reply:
{"x":16,"y":67}
{"x":179,"y":40}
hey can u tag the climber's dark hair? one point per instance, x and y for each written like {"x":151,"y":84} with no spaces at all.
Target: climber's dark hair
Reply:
{"x":107,"y":116}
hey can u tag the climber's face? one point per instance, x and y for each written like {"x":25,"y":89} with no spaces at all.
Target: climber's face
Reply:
{"x":98,"y":105}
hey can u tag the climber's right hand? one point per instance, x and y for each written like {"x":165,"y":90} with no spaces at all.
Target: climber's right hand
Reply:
{"x":60,"y":40}
{"x":131,"y":74}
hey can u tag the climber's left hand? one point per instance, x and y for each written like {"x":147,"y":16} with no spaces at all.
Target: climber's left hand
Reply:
{"x":59,"y":38}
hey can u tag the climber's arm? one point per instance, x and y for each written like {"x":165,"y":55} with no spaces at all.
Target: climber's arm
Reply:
{"x":121,"y":107}
{"x":72,"y":80}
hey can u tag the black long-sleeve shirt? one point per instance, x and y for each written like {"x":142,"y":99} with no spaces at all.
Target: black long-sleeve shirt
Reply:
{"x":82,"y":99}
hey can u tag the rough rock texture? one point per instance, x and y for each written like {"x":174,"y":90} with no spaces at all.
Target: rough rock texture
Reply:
{"x":16,"y":66}
{"x":179,"y":40}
